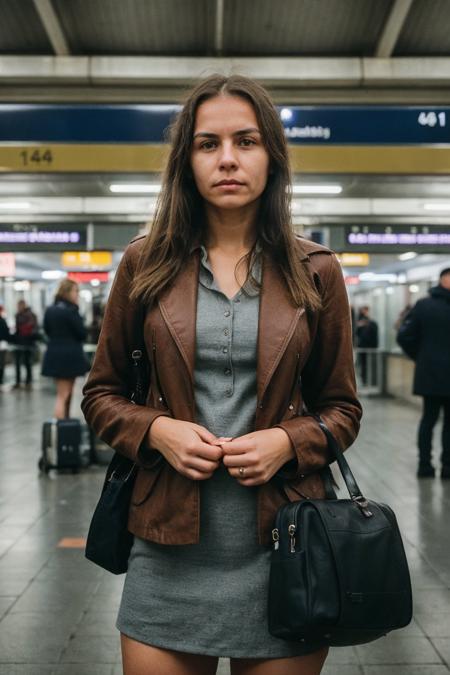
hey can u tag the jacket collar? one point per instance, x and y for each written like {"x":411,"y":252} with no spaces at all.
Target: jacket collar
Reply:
{"x":277,"y":317}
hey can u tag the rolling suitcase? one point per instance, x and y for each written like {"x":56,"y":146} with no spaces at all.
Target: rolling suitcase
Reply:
{"x":62,"y":445}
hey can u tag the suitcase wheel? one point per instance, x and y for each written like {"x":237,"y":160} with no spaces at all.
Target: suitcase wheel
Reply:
{"x":42,"y":466}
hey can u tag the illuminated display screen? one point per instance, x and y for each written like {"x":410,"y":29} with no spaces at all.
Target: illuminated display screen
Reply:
{"x":426,"y":238}
{"x":28,"y":237}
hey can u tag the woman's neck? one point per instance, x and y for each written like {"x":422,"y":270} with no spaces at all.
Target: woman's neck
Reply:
{"x":230,"y":231}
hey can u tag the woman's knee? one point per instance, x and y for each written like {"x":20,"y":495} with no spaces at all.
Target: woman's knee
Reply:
{"x":142,"y":659}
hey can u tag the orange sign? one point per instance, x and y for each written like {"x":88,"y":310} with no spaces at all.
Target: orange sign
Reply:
{"x":90,"y":260}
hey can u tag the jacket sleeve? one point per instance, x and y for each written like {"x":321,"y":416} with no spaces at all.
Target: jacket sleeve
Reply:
{"x":328,"y":380}
{"x":408,"y":336}
{"x":106,"y":407}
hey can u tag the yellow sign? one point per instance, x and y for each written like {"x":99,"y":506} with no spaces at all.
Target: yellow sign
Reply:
{"x":94,"y":260}
{"x":151,"y":157}
{"x":82,"y":157}
{"x":354,"y":259}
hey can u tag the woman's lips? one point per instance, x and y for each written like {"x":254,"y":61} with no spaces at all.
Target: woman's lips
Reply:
{"x":232,"y":185}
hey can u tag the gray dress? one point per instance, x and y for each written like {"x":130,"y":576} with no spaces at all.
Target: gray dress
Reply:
{"x":211,"y":598}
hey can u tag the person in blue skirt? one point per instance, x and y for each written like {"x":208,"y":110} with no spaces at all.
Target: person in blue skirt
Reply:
{"x":232,"y":310}
{"x":64,"y":359}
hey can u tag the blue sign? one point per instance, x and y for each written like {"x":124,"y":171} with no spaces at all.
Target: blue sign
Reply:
{"x":304,"y":125}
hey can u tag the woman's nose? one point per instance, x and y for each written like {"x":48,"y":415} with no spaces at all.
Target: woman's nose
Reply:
{"x":228,"y":158}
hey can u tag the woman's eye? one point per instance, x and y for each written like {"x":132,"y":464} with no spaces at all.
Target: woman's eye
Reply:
{"x":208,"y":145}
{"x":247,"y":142}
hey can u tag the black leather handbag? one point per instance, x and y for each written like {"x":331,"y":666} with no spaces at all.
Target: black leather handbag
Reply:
{"x":109,"y":542}
{"x":339,"y":573}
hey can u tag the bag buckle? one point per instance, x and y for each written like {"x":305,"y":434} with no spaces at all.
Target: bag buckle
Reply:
{"x":362,"y":503}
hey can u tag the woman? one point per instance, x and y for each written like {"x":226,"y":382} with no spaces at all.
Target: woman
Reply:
{"x":232,"y":308}
{"x":64,"y":359}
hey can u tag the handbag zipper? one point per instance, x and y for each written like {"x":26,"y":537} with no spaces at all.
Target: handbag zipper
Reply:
{"x":276,"y":539}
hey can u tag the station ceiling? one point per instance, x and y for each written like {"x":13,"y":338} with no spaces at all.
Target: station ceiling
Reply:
{"x":338,"y":28}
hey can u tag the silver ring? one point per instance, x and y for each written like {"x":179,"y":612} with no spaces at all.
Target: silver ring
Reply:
{"x":241,"y":471}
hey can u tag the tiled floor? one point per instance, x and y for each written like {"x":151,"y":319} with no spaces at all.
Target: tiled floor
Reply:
{"x":57,"y":611}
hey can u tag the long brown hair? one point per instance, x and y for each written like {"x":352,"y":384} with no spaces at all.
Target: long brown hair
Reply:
{"x":179,"y":221}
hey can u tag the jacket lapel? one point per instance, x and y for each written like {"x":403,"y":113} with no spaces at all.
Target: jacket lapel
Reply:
{"x":278,"y":318}
{"x":178,"y":306}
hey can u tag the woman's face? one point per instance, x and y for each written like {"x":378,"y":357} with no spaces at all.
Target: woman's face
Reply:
{"x":228,"y":159}
{"x":73,"y":295}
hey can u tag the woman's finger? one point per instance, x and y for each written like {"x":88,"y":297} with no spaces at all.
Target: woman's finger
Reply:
{"x":202,"y":465}
{"x":237,"y":460}
{"x":237,"y":447}
{"x":206,"y":451}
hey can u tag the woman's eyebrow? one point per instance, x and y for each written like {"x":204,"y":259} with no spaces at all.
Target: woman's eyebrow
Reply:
{"x":240,"y":132}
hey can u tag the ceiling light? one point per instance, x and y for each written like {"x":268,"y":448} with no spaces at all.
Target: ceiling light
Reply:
{"x":286,"y":114}
{"x":437,"y":207}
{"x":316,"y":189}
{"x":414,"y":289}
{"x":374,"y":276}
{"x":409,"y":255}
{"x":15,"y":205}
{"x":133,"y":188}
{"x":53,"y":274}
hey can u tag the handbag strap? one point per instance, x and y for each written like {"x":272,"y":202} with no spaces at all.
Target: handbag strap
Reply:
{"x":347,"y":474}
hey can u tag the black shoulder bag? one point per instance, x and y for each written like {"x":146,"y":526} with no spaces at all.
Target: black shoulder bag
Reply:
{"x":338,"y":572}
{"x":109,"y":542}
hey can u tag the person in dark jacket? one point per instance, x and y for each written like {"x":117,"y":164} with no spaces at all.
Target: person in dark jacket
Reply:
{"x":24,"y":340}
{"x":5,"y":337}
{"x":367,"y":338}
{"x":424,"y":336}
{"x":64,"y":359}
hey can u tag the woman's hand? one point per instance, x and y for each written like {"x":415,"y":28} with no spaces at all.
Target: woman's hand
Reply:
{"x":188,"y":447}
{"x":259,"y":455}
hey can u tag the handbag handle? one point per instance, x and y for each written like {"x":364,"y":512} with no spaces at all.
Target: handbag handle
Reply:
{"x":350,"y":481}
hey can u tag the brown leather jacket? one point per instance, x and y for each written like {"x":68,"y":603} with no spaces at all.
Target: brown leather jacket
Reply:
{"x":292,"y":343}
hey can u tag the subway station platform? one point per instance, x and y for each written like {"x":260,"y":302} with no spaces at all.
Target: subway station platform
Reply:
{"x":57,"y":611}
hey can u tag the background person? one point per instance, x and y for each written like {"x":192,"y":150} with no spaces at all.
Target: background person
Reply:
{"x":64,"y":358}
{"x":232,"y":318}
{"x":367,"y":338}
{"x":425,"y":337}
{"x":24,"y":340}
{"x":5,"y":338}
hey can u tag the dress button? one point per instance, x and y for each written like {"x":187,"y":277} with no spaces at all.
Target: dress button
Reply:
{"x":225,"y":350}
{"x":229,"y":392}
{"x":236,"y":300}
{"x":226,"y":331}
{"x":291,"y":407}
{"x":227,"y":313}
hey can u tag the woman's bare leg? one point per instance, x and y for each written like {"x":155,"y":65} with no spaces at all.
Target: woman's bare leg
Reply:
{"x":311,"y":664}
{"x":63,"y":395}
{"x":142,"y":659}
